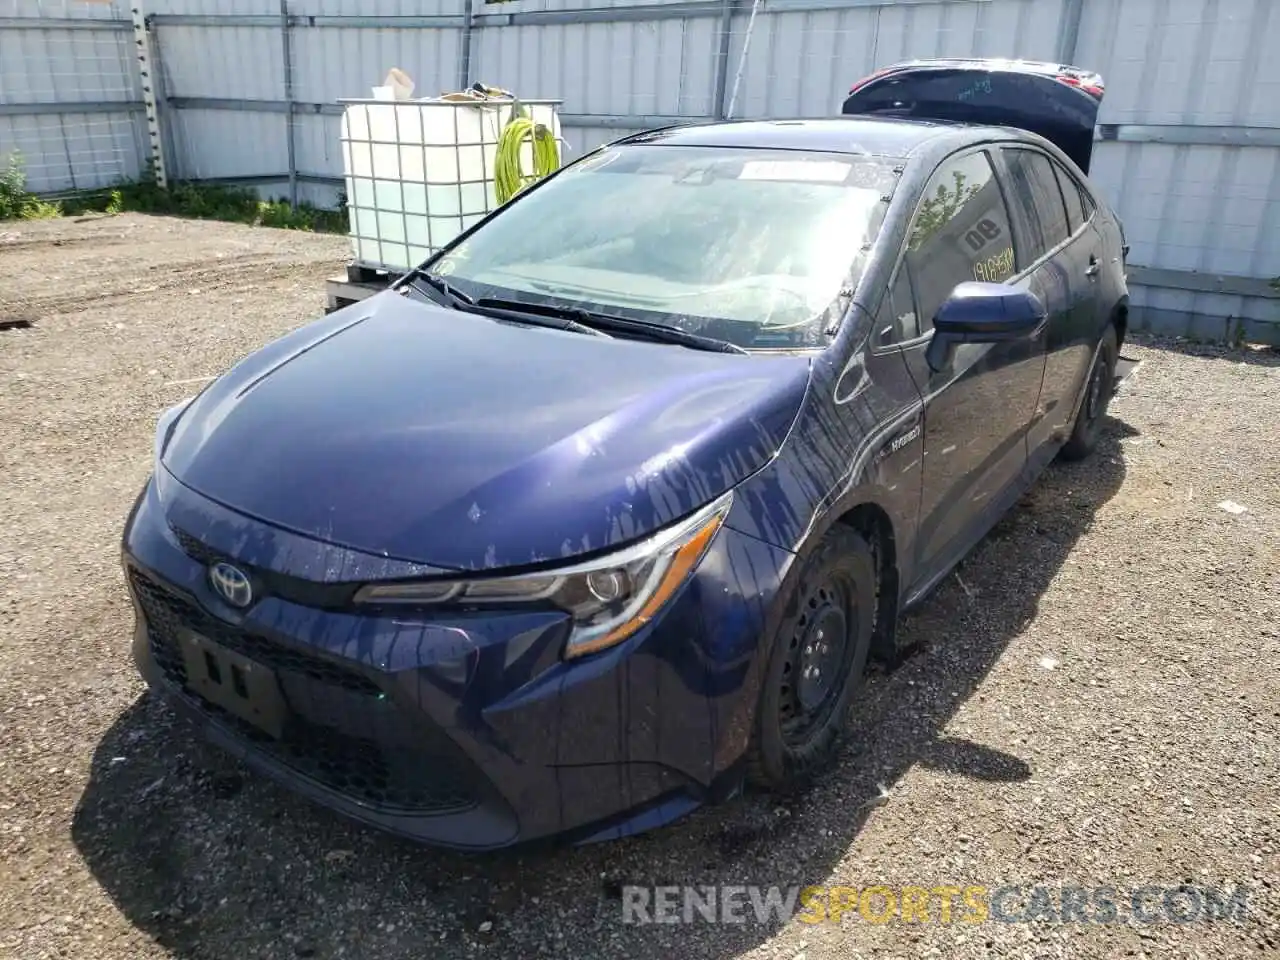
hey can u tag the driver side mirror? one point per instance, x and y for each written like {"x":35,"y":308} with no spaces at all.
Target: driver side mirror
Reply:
{"x":984,"y":313}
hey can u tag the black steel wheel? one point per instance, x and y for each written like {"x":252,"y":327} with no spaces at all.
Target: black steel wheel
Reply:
{"x":1097,"y":395}
{"x":816,"y":661}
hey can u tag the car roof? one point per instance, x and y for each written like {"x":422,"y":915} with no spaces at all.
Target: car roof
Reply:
{"x":1000,"y":64}
{"x":859,"y":135}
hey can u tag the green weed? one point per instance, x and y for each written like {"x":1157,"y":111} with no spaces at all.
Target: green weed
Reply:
{"x":15,"y":202}
{"x":200,"y":201}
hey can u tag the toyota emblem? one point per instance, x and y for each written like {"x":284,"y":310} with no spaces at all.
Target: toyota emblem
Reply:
{"x":231,"y":584}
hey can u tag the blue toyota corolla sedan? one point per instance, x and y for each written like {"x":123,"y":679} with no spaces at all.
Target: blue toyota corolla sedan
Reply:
{"x":601,"y":511}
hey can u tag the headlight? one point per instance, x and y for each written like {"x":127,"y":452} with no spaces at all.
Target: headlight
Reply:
{"x":610,"y":598}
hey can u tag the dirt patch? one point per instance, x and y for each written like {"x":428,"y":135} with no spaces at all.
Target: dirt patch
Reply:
{"x":1096,"y":700}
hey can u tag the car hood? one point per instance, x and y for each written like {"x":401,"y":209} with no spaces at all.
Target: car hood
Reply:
{"x":426,"y":434}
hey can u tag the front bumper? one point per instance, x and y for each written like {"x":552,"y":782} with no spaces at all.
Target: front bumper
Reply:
{"x":469,"y":730}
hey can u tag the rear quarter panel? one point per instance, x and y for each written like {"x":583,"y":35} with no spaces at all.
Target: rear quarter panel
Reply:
{"x":1114,"y":277}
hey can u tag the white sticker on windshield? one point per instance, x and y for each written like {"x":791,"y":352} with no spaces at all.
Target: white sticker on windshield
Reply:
{"x":813,"y":171}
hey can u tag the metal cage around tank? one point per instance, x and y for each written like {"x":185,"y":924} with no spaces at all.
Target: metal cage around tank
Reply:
{"x":419,"y":172}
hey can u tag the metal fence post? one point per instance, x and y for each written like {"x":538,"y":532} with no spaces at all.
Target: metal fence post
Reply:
{"x":720,"y":76}
{"x":464,"y":50}
{"x":164,"y":112}
{"x":742,"y":59}
{"x":147,"y":71}
{"x":1069,"y":36}
{"x":290,"y":147}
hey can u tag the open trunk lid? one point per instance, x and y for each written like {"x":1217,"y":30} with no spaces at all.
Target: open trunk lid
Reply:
{"x":1060,"y":103}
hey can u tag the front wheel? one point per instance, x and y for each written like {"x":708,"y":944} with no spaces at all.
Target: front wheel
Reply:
{"x":1098,"y":391}
{"x":816,"y":661}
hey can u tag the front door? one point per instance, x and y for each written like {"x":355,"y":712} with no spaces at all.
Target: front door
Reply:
{"x":977,"y":408}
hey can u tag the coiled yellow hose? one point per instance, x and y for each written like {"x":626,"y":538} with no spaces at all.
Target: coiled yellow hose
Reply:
{"x":509,"y":177}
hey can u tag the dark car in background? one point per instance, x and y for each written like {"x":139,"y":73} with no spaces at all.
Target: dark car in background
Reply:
{"x":603,"y":509}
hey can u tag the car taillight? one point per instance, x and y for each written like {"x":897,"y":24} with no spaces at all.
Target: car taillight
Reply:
{"x":1095,"y":90}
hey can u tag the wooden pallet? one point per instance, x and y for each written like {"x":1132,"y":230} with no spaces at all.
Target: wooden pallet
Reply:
{"x":358,"y":283}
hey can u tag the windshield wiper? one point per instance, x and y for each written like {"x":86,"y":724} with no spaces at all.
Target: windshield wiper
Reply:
{"x":498,"y":309}
{"x":571,"y":319}
{"x":453,"y":296}
{"x":519,"y":311}
{"x":597,"y":322}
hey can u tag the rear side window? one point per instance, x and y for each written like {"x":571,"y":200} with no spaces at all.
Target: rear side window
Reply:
{"x":960,"y":232}
{"x":1036,"y":186}
{"x":1071,"y":194}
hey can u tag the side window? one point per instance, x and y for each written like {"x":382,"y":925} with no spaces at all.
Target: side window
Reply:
{"x":1071,"y":193}
{"x":960,"y":232}
{"x":1037,"y":186}
{"x":897,"y":318}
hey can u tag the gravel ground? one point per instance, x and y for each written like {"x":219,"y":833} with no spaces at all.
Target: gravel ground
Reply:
{"x":1096,"y":700}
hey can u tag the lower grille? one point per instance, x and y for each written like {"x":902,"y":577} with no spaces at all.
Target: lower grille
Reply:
{"x":340,"y":731}
{"x":167,"y":613}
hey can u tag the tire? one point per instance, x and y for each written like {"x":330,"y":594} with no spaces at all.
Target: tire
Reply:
{"x":797,"y":726}
{"x":1098,"y":391}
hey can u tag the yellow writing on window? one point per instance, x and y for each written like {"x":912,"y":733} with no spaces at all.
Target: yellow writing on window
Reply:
{"x":994,"y":268}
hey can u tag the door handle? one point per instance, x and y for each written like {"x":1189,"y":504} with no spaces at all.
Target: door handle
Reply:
{"x":1093,"y":268}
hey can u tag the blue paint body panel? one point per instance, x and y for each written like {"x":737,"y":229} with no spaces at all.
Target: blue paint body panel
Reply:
{"x":463,"y":442}
{"x":398,"y":441}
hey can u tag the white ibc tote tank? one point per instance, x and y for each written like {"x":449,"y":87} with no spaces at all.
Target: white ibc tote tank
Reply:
{"x":419,"y":172}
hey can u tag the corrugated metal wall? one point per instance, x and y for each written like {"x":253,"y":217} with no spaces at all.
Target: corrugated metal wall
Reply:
{"x":225,"y":78}
{"x":1190,"y":154}
{"x":70,"y":93}
{"x":1192,"y":82}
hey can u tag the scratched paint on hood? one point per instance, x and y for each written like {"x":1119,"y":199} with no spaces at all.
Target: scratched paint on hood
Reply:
{"x":444,"y":438}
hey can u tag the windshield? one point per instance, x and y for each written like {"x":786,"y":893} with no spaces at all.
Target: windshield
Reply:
{"x":760,"y":248}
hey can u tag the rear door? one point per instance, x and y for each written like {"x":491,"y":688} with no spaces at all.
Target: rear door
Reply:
{"x":977,"y":408}
{"x":1060,"y":250}
{"x":1070,"y":365}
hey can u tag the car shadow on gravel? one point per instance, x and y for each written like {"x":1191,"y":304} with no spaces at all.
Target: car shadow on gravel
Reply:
{"x":214,"y":862}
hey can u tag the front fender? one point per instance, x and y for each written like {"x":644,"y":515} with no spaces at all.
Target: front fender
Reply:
{"x":850,"y":457}
{"x":839,"y":456}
